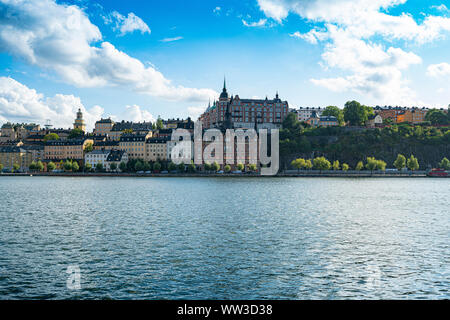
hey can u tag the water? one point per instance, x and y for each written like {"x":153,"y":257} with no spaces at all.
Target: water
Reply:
{"x":225,"y":238}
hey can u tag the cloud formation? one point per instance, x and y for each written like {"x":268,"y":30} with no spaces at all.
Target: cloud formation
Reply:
{"x":354,"y":34}
{"x":260,"y":23}
{"x":18,"y":103}
{"x":127,"y":24}
{"x":171,"y":39}
{"x":438,"y":70}
{"x":62,"y":38}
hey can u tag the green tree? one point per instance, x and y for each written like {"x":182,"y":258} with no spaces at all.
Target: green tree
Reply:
{"x":89,"y":147}
{"x":32,"y":166}
{"x":308,"y":164}
{"x":345,"y":167}
{"x":123,"y":166}
{"x":334,"y":112}
{"x":113,"y":166}
{"x":1,"y":167}
{"x":240,"y":167}
{"x":371,"y":164}
{"x":16,"y":167}
{"x":321,"y":163}
{"x":146,"y":166}
{"x":75,"y":133}
{"x":99,"y":167}
{"x":215,"y":166}
{"x":51,"y":137}
{"x":181,"y":167}
{"x":51,"y":166}
{"x":437,"y":117}
{"x":444,"y":164}
{"x":75,"y":166}
{"x":68,"y":165}
{"x":252,"y":167}
{"x":87,"y":167}
{"x":191,"y":167}
{"x":359,"y":166}
{"x":381,"y":165}
{"x":172,"y":166}
{"x":412,"y":163}
{"x":355,"y":113}
{"x":40,"y":166}
{"x":298,"y":164}
{"x":138,"y":166}
{"x":227,"y":168}
{"x":336,"y":165}
{"x":159,"y":124}
{"x":157,"y":166}
{"x":400,"y":162}
{"x":207,"y":167}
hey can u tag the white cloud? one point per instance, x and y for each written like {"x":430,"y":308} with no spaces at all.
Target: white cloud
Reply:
{"x":260,"y":23}
{"x":135,"y":113}
{"x":62,"y":38}
{"x":171,"y":39}
{"x":127,"y":24}
{"x":217,"y":10}
{"x":442,"y":8}
{"x":356,"y":36}
{"x":438,"y":70}
{"x":18,"y":103}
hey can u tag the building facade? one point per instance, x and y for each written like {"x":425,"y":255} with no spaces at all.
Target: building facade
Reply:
{"x":234,"y":112}
{"x":104,"y":127}
{"x":134,"y":145}
{"x":304,"y":113}
{"x":9,"y":156}
{"x":156,"y":149}
{"x":66,"y":149}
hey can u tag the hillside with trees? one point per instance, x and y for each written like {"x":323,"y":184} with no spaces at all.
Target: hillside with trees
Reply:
{"x":351,"y":145}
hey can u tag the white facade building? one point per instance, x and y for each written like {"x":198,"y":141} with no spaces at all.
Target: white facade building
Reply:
{"x":96,"y":156}
{"x":304,"y":113}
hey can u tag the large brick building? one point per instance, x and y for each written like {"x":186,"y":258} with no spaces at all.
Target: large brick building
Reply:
{"x":234,"y":112}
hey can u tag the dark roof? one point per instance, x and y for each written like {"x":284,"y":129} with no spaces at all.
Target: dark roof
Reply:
{"x":328,"y":118}
{"x":138,"y":126}
{"x":12,"y":149}
{"x":33,"y":147}
{"x":165,"y":131}
{"x":157,"y":140}
{"x":115,"y":155}
{"x":71,"y":142}
{"x":132,"y":137}
{"x":105,"y":121}
{"x":106,"y":143}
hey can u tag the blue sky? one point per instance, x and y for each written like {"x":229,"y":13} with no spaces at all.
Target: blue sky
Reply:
{"x":168,"y":58}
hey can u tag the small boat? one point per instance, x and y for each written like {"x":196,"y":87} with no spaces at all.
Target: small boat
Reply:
{"x":438,"y":173}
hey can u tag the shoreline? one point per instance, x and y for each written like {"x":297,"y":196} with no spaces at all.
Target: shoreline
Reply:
{"x":224,"y":175}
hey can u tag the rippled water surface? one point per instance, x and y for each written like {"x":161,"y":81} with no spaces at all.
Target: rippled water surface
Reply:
{"x":225,"y":238}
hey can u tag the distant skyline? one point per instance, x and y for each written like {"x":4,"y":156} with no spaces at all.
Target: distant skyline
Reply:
{"x":137,"y":60}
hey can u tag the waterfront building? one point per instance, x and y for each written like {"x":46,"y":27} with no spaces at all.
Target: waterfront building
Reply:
{"x":304,"y":113}
{"x":134,"y":144}
{"x":234,"y":112}
{"x":95,"y":157}
{"x":11,"y":155}
{"x":79,"y":122}
{"x":116,"y":157}
{"x":104,"y":127}
{"x":66,"y":149}
{"x":156,"y":149}
{"x":36,"y":150}
{"x":106,"y":145}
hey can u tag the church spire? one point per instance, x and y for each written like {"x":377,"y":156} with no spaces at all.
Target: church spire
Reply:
{"x":224,"y":84}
